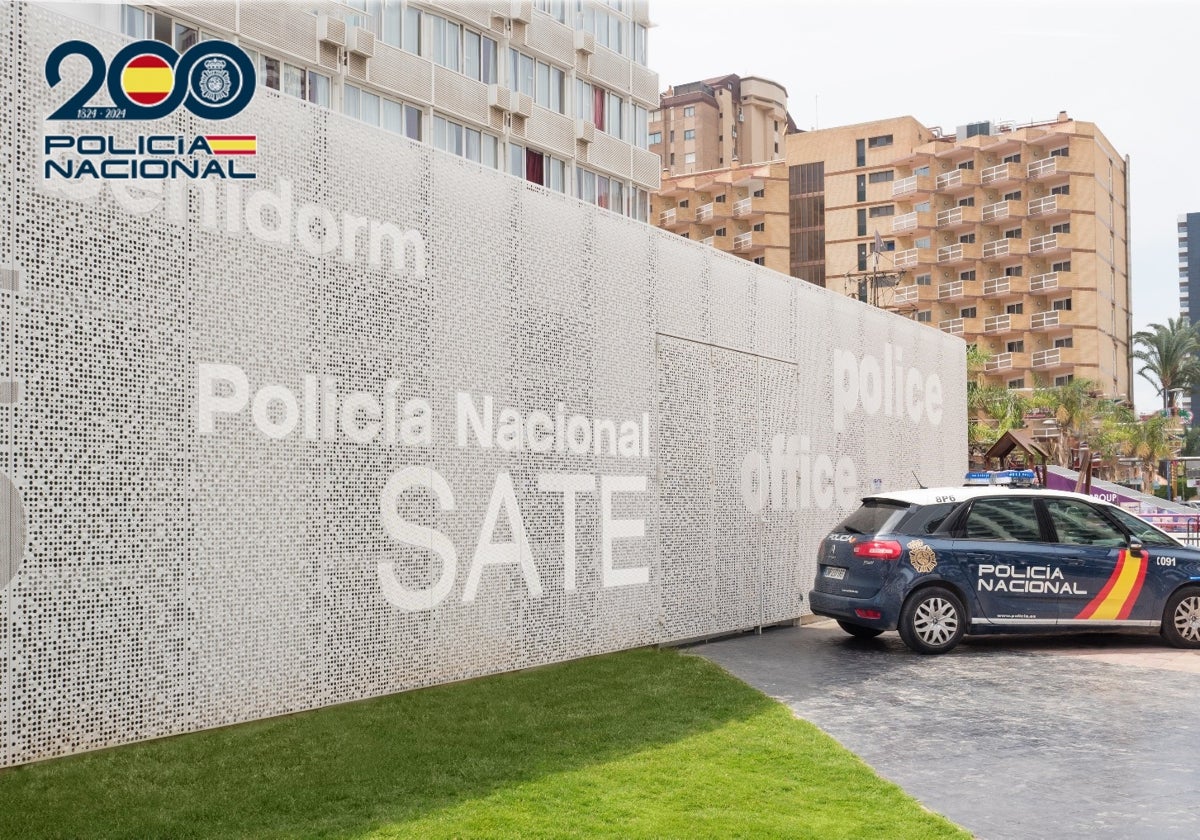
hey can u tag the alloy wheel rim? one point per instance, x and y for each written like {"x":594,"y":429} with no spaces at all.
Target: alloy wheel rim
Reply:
{"x":936,"y":621}
{"x":1187,"y":618}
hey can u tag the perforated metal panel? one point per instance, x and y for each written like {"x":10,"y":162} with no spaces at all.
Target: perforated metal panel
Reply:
{"x":182,"y":573}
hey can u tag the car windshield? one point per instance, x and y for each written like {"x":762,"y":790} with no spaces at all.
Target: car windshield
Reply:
{"x":1144,"y":531}
{"x":876,"y":516}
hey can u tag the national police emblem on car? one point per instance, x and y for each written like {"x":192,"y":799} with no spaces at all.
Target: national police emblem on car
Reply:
{"x":921,"y":556}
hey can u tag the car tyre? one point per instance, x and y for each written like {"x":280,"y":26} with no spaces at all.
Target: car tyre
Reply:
{"x":858,"y":631}
{"x":933,"y":620}
{"x":1181,"y":618}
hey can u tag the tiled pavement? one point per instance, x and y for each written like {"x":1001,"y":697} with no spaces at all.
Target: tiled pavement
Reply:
{"x":1009,"y":736}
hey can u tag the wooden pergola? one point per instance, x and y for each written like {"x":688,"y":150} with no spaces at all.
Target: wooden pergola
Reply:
{"x":1019,"y":440}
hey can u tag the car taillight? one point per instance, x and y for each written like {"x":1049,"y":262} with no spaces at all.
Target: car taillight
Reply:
{"x":878,"y":549}
{"x":869,"y":614}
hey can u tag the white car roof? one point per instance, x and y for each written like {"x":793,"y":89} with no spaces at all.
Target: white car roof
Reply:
{"x":939,"y":495}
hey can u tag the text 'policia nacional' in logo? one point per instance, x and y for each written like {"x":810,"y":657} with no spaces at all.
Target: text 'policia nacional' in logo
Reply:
{"x":148,"y":80}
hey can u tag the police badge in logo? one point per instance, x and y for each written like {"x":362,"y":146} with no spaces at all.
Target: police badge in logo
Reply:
{"x":215,"y":84}
{"x":922,"y":556}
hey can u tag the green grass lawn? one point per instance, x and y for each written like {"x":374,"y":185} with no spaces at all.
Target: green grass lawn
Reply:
{"x":638,"y":744}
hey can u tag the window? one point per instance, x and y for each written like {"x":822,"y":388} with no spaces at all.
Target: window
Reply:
{"x":879,"y":142}
{"x":400,"y":118}
{"x":720,"y":199}
{"x":1012,"y":233}
{"x":719,"y":232}
{"x":447,"y":36}
{"x":639,"y":44}
{"x":1068,"y":341}
{"x":655,"y":138}
{"x":1015,"y":384}
{"x":542,"y":82}
{"x":925,"y":316}
{"x":967,"y":164}
{"x":1062,"y":189}
{"x":134,"y":22}
{"x":862,"y":256}
{"x":689,"y":111}
{"x":967,"y":312}
{"x":318,"y":89}
{"x":760,"y":193}
{"x":1013,"y":196}
{"x":760,"y":227}
{"x":1015,"y":309}
{"x":1065,"y":265}
{"x":1063,"y":305}
{"x":537,"y":167}
{"x":601,"y":108}
{"x":880,"y":177}
{"x":641,"y":124}
{"x":967,"y":202}
{"x":966,"y":239}
{"x":760,"y":260}
{"x":1017,"y":346}
{"x":967,"y":275}
{"x":1013,"y":271}
{"x":1011,"y":519}
{"x":923,"y":242}
{"x":1060,"y":381}
{"x":601,"y":190}
{"x":1065,"y":227}
{"x":689,"y":158}
{"x":1145,"y":532}
{"x":639,"y":205}
{"x":1012,"y":158}
{"x":685,"y":203}
{"x":1060,"y":152}
{"x":411,"y":36}
{"x":924,"y":280}
{"x":921,"y":170}
{"x":862,"y":187}
{"x":1078,"y":523}
{"x":557,"y":9}
{"x":185,"y":36}
{"x":860,"y":152}
{"x":922,"y":207}
{"x":689,"y":134}
{"x":882,"y":210}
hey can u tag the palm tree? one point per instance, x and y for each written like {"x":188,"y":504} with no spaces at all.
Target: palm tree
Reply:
{"x":1169,"y":357}
{"x":1082,"y":415}
{"x":1150,"y":441}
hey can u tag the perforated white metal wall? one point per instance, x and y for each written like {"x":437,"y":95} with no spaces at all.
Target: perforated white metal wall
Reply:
{"x":187,"y":549}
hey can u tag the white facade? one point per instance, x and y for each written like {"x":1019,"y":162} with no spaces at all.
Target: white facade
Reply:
{"x":382,"y":418}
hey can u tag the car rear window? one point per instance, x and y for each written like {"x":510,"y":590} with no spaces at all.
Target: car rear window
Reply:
{"x":876,"y":516}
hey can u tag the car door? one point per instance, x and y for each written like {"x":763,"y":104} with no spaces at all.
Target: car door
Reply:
{"x":1098,"y":579}
{"x":1006,"y":553}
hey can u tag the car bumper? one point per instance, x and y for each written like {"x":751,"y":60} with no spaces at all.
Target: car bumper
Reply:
{"x":840,"y":606}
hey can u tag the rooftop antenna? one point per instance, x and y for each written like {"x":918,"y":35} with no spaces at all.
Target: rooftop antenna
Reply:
{"x":919,"y":484}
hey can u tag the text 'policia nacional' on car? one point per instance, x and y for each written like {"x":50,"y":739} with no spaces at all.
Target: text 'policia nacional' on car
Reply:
{"x":998,"y":557}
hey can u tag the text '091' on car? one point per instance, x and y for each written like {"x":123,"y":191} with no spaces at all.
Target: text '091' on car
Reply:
{"x":939,"y":563}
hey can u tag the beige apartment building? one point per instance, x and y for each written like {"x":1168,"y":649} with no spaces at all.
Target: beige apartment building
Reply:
{"x":742,"y":210}
{"x":718,"y":123}
{"x":554,"y":92}
{"x":1013,"y":237}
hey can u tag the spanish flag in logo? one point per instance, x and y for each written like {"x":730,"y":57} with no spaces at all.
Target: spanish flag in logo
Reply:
{"x":232,"y":144}
{"x":147,"y":79}
{"x":1115,"y":601}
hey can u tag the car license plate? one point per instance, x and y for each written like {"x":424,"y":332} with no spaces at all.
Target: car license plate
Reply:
{"x":835,"y":572}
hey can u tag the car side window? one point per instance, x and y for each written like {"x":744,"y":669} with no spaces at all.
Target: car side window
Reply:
{"x":1078,"y":523}
{"x":1013,"y":519}
{"x":1144,"y":531}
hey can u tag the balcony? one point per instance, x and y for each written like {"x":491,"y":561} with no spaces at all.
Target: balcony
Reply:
{"x":1042,"y":206}
{"x":1003,"y":287}
{"x":999,"y":248}
{"x":1006,"y":323}
{"x":1044,"y":320}
{"x":951,"y":290}
{"x":1040,"y":284}
{"x":910,"y":257}
{"x":954,"y":326}
{"x":906,"y":295}
{"x":704,"y":213}
{"x":1043,"y":168}
{"x":745,"y":243}
{"x":957,"y":179}
{"x":708,"y":240}
{"x":999,"y":362}
{"x":962,"y":252}
{"x":1003,"y":174}
{"x":1002,"y":210}
{"x":902,"y":223}
{"x":1051,"y":242}
{"x":957,"y":217}
{"x":744,"y":208}
{"x":677,"y":218}
{"x":912,"y":185}
{"x":1046,"y":358}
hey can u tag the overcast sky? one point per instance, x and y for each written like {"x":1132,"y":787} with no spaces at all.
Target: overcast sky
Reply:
{"x":1127,"y":67}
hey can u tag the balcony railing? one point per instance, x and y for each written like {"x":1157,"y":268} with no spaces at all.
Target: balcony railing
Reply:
{"x":1003,"y":248}
{"x":907,"y":258}
{"x":957,"y":178}
{"x":999,"y":210}
{"x":704,"y":212}
{"x":1043,"y":282}
{"x":953,"y":216}
{"x":666,"y":218}
{"x":953,"y":289}
{"x":1043,"y":320}
{"x":1002,"y":172}
{"x":743,"y":207}
{"x":997,"y":286}
{"x":743,"y":241}
{"x":997,"y":323}
{"x":708,"y":240}
{"x":1001,"y":361}
{"x":906,"y":294}
{"x":1046,"y":204}
{"x":1043,"y":243}
{"x":1042,"y":168}
{"x":954,"y":326}
{"x":902,"y":223}
{"x":1047,"y":358}
{"x":949,"y":253}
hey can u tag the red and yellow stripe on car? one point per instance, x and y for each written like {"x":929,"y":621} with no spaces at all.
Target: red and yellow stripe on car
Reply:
{"x":1115,"y":601}
{"x":232,"y":144}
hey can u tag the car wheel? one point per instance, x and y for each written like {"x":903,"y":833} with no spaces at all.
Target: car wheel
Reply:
{"x":1181,"y":618}
{"x":858,"y":631}
{"x":933,"y":620}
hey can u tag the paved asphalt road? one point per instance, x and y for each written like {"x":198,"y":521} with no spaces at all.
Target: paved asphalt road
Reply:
{"x":1010,"y":737}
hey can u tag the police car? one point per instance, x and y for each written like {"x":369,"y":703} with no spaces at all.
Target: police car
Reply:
{"x":997,"y":556}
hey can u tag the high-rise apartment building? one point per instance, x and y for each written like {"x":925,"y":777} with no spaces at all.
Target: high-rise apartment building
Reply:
{"x":717,"y":123}
{"x":1015,"y":238}
{"x":740,"y":209}
{"x":555,"y":92}
{"x":1188,"y":232}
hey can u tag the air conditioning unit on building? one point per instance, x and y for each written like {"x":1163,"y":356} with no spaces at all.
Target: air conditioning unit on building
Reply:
{"x":585,"y":42}
{"x":585,"y":130}
{"x":331,"y":30}
{"x":521,"y":10}
{"x":360,"y":42}
{"x":520,"y":103}
{"x":498,"y":97}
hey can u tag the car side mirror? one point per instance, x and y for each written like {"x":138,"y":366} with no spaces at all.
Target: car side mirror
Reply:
{"x":1135,"y":544}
